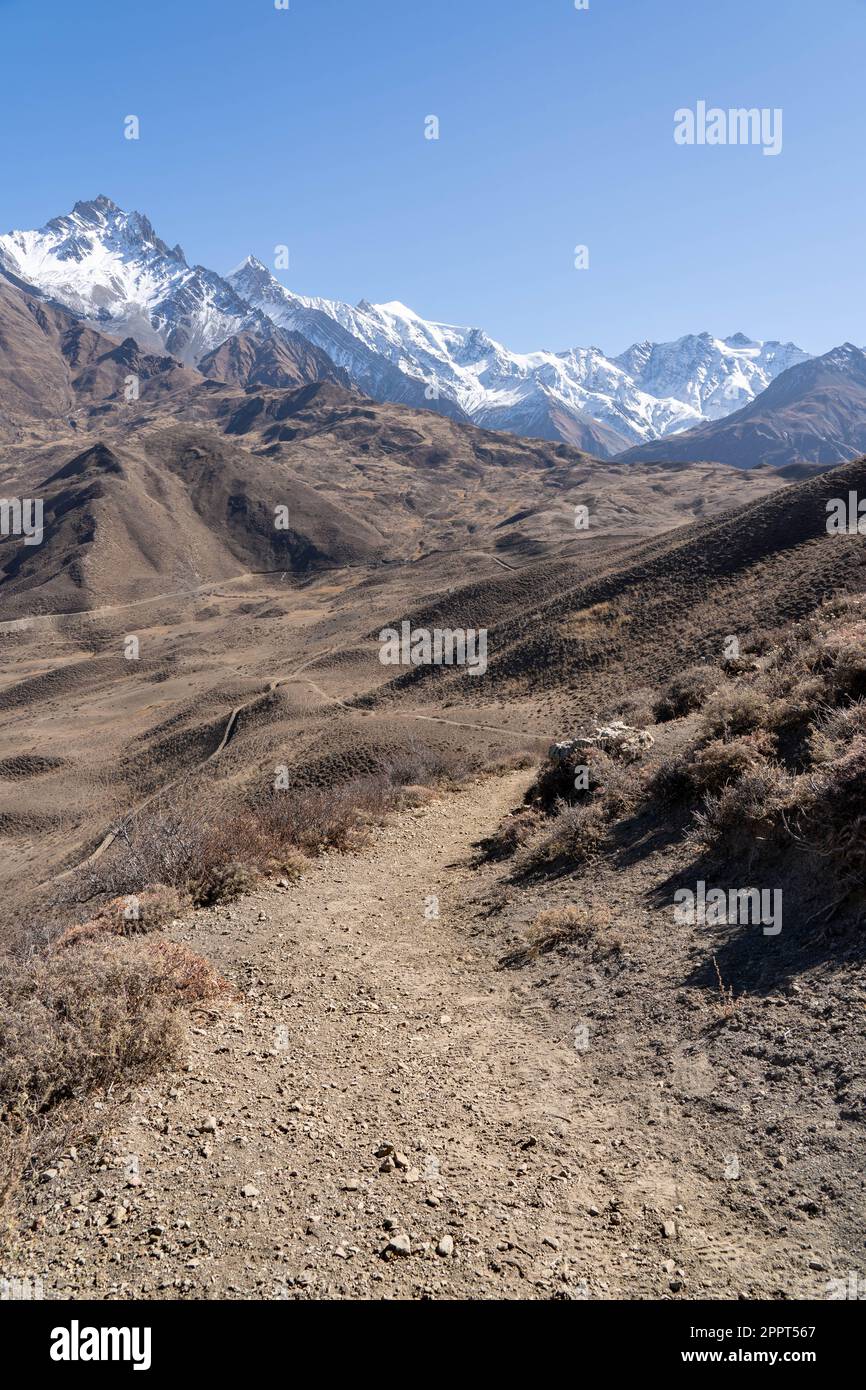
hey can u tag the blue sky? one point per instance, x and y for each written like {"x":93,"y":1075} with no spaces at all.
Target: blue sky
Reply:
{"x":306,"y":127}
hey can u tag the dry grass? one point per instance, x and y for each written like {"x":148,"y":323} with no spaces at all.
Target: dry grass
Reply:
{"x":574,"y":836}
{"x":554,"y":928}
{"x":726,"y":1003}
{"x":686,"y":693}
{"x":79,"y":1019}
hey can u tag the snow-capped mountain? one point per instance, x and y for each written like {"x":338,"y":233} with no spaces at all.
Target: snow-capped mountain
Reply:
{"x":651,"y":390}
{"x":714,"y":376}
{"x":111,"y":268}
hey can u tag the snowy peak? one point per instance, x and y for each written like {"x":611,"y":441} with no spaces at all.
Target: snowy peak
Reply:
{"x":651,"y":390}
{"x":111,"y":268}
{"x":712,"y":376}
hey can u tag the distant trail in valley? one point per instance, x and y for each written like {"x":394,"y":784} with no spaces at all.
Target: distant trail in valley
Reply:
{"x":231,"y":724}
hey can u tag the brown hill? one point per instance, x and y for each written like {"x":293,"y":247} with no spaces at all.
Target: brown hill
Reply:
{"x":52,"y":366}
{"x":169,"y":511}
{"x":285,"y":360}
{"x":434,"y":483}
{"x":652,"y":608}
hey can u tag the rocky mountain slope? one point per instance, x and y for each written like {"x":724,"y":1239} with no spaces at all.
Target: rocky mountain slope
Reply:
{"x":171,"y":510}
{"x":111,"y":268}
{"x":813,"y":413}
{"x":53,"y":366}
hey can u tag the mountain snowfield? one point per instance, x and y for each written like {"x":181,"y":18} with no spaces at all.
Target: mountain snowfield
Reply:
{"x":109,"y":267}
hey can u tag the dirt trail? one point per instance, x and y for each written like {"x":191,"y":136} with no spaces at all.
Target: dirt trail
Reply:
{"x":365,"y":1021}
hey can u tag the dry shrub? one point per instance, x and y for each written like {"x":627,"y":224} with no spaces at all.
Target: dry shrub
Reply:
{"x":688,"y":777}
{"x":618,"y":790}
{"x":575,"y":835}
{"x":324,"y":818}
{"x":731,"y":710}
{"x":832,"y":814}
{"x":843,"y":661}
{"x":746,"y":816}
{"x":687,"y":692}
{"x":516,"y":830}
{"x":639,"y":707}
{"x":720,"y":763}
{"x":75,"y":1021}
{"x":222,"y":883}
{"x":419,"y":762}
{"x":213,"y":855}
{"x":129,"y":916}
{"x":557,"y":779}
{"x":555,"y":927}
{"x":184,"y":974}
{"x":290,"y":864}
{"x":835,"y":731}
{"x":80,"y":1019}
{"x":669,"y":783}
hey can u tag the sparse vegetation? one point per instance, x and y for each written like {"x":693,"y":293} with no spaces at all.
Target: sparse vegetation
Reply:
{"x":79,"y":1018}
{"x":744,"y":820}
{"x":778,"y":764}
{"x":556,"y":927}
{"x":687,"y":692}
{"x":573,"y":835}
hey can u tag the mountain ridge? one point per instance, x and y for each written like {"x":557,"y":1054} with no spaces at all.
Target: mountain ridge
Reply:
{"x":111,"y":268}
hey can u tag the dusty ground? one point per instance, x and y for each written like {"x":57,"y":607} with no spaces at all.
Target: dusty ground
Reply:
{"x":382,"y":1113}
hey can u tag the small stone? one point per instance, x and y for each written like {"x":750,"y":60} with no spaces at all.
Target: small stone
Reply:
{"x":413,"y":1175}
{"x":210,"y":1125}
{"x":250,"y":1190}
{"x":445,"y":1020}
{"x":384,"y":1151}
{"x":401,"y":1161}
{"x":49,"y":1175}
{"x":400,"y":1244}
{"x":445,"y":1246}
{"x":118,"y":1215}
{"x":669,"y":1230}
